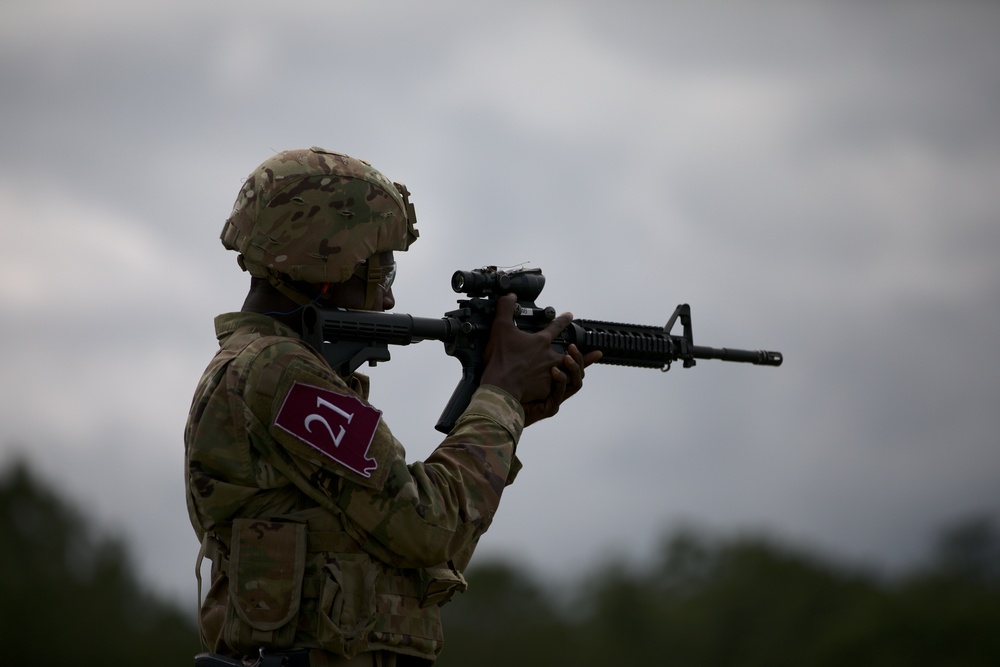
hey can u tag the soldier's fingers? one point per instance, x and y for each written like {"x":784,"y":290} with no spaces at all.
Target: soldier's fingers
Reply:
{"x":560,"y":382}
{"x":505,"y":308}
{"x":558,"y":324}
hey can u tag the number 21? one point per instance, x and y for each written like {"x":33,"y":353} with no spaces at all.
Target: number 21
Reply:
{"x":314,"y":417}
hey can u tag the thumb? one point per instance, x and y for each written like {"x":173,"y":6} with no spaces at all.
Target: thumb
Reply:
{"x":505,"y":307}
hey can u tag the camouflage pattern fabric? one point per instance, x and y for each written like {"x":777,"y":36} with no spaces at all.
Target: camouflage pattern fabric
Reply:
{"x":382,"y":547}
{"x":313,"y":215}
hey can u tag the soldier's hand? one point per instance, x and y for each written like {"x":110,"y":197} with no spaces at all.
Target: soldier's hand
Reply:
{"x":520,"y":362}
{"x":528,"y":367}
{"x":566,"y":381}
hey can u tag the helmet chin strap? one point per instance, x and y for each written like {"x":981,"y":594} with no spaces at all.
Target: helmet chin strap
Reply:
{"x":374,"y":279}
{"x":297,"y":297}
{"x":376,"y":272}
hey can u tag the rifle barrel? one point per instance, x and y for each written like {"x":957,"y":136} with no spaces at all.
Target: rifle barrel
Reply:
{"x":652,"y":347}
{"x":756,"y":357}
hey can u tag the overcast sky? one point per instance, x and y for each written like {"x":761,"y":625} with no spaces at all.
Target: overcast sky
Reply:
{"x":817,"y":178}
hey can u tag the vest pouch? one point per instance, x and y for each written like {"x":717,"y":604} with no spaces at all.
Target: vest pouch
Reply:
{"x":266,"y":566}
{"x":347,"y":601}
{"x":439,"y":585}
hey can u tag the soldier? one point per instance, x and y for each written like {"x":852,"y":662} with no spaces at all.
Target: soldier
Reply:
{"x":325,"y":544}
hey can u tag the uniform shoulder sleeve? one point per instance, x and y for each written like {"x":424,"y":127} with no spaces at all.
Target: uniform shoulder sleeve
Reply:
{"x":310,"y":413}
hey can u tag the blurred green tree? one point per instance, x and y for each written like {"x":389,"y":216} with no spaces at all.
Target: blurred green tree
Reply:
{"x":69,"y":596}
{"x":509,"y":620}
{"x":741,"y":602}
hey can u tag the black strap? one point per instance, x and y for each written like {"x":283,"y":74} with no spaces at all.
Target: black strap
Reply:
{"x":295,"y":658}
{"x":216,"y":660}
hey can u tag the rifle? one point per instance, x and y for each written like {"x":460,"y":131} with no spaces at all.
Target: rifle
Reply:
{"x":349,"y":338}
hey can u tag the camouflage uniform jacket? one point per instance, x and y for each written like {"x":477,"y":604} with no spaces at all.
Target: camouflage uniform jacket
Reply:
{"x":320,"y":533}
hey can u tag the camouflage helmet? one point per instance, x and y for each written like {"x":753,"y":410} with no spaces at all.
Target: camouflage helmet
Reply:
{"x":314,"y":216}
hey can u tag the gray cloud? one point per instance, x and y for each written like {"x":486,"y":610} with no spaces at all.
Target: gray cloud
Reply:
{"x":817,"y":179}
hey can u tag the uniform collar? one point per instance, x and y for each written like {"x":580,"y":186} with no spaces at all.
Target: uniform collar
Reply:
{"x":227,"y":323}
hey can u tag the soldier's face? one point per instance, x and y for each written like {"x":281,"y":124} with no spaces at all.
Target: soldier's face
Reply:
{"x":351,"y":294}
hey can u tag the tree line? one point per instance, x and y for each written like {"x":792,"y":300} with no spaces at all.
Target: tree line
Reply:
{"x":69,"y":596}
{"x":739,"y":603}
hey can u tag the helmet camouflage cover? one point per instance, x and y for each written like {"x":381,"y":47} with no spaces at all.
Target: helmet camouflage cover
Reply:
{"x":314,"y":216}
